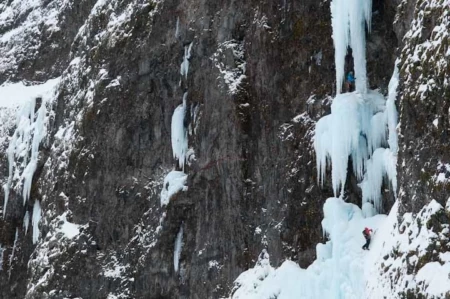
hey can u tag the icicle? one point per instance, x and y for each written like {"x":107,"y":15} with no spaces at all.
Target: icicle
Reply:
{"x":39,"y":134}
{"x":11,"y":257}
{"x":19,"y":144}
{"x":321,"y":146}
{"x":355,"y":128}
{"x":26,"y":221}
{"x":177,"y":249}
{"x":344,"y":134}
{"x":177,"y":28}
{"x":392,"y":111}
{"x":381,"y":164}
{"x":357,"y":13}
{"x":30,"y":131}
{"x":184,"y":69}
{"x":378,"y":130}
{"x":1,"y":257}
{"x":339,"y":21}
{"x":35,"y":220}
{"x":368,"y":14}
{"x":5,"y":201}
{"x":180,"y":133}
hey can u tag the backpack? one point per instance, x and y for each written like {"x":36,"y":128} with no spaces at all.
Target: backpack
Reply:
{"x":366,"y":233}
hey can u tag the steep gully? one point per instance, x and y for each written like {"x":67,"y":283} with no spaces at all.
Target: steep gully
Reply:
{"x":362,"y":126}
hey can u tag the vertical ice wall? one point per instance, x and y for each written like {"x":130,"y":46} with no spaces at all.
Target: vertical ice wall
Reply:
{"x":19,"y":146}
{"x":392,"y":116}
{"x":362,"y":124}
{"x":360,"y":127}
{"x":31,"y":129}
{"x":383,"y":161}
{"x":40,"y":132}
{"x":349,"y":19}
{"x":351,"y":130}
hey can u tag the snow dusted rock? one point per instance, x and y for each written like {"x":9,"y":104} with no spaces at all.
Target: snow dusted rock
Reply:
{"x":410,"y":258}
{"x":425,"y":102}
{"x":36,"y":37}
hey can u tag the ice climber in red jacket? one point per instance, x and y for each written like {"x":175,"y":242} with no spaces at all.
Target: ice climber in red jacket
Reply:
{"x":367,"y":234}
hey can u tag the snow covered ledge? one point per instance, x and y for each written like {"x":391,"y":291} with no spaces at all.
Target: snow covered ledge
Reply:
{"x":420,"y":244}
{"x":411,"y":257}
{"x":338,"y":271}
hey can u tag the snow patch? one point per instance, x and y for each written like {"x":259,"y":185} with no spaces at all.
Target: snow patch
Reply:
{"x":232,"y":74}
{"x":174,"y":182}
{"x":69,"y":230}
{"x":14,"y":95}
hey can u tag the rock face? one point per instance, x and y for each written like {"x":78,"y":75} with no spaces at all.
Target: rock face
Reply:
{"x":254,"y":77}
{"x":423,"y":166}
{"x":425,"y":107}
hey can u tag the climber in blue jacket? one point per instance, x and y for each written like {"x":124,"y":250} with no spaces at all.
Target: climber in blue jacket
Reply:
{"x":350,"y":82}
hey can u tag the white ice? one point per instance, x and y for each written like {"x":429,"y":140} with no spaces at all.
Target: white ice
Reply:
{"x":184,"y":68}
{"x":26,"y":221}
{"x":179,"y":134}
{"x":348,"y":132}
{"x":177,"y":249}
{"x":383,"y":161}
{"x":349,"y":20}
{"x":381,"y":165}
{"x":31,"y":129}
{"x":36,"y":218}
{"x":391,"y":110}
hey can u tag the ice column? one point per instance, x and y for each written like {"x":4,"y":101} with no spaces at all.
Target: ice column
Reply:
{"x":35,"y":220}
{"x":349,"y":19}
{"x":179,"y":134}
{"x":177,"y":249}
